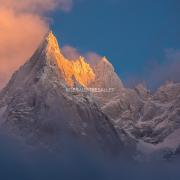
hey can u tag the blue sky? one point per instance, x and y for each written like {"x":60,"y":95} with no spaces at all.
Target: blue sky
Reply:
{"x":134,"y":34}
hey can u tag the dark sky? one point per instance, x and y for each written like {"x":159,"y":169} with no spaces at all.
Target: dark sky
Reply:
{"x":139,"y":37}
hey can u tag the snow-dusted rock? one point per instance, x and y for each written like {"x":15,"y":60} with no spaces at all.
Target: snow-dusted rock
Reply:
{"x":150,"y":118}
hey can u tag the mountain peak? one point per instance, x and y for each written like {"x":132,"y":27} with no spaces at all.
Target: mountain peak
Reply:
{"x":104,"y":59}
{"x":104,"y":64}
{"x":50,"y":42}
{"x":50,"y":36}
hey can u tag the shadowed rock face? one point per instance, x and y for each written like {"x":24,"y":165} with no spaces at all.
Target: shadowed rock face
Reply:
{"x":36,"y":106}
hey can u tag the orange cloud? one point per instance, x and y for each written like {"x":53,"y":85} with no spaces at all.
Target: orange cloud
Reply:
{"x":22,"y":27}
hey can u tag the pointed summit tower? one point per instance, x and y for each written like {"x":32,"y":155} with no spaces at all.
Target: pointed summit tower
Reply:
{"x":50,"y":44}
{"x":48,"y":50}
{"x":51,"y":39}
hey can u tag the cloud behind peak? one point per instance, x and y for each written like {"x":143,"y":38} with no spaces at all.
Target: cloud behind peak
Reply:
{"x":23,"y":24}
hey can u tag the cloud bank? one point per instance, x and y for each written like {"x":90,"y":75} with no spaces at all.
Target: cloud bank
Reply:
{"x":22,"y":26}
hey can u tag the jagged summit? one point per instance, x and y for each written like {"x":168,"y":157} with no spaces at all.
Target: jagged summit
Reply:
{"x":49,"y":45}
{"x":105,"y":62}
{"x":51,"y":41}
{"x":50,"y":38}
{"x":50,"y":35}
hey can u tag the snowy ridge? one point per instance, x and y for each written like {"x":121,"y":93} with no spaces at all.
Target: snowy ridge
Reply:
{"x":152,"y":119}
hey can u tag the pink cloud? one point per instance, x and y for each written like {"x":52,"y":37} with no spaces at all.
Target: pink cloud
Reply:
{"x":22,"y":27}
{"x":20,"y":34}
{"x":70,"y":52}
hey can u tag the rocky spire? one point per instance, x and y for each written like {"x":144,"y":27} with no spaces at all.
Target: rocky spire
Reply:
{"x":51,"y":42}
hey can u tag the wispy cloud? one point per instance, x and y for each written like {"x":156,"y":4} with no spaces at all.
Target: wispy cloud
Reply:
{"x":70,"y":52}
{"x":23,"y":24}
{"x":169,"y":70}
{"x":156,"y":74}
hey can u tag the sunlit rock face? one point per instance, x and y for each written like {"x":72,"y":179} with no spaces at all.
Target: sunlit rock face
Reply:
{"x":36,"y":106}
{"x":77,"y":70}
